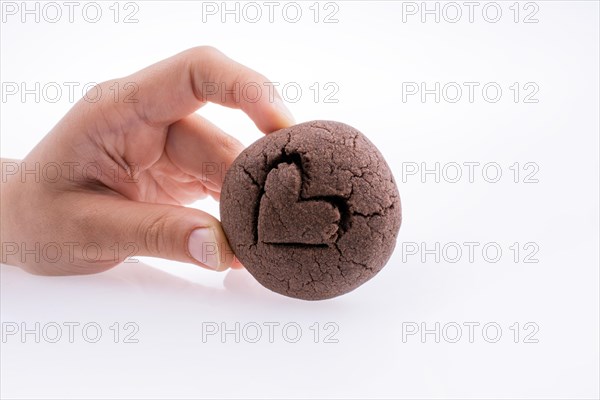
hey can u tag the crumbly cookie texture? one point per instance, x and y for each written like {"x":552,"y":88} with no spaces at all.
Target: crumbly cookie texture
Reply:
{"x":312,"y":211}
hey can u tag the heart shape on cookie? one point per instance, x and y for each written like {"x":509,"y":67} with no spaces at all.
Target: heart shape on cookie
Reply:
{"x":285,"y":218}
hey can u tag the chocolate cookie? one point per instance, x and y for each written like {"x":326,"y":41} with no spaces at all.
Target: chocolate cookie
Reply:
{"x":312,"y":211}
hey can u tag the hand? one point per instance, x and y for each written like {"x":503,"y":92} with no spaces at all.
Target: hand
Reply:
{"x":110,"y":178}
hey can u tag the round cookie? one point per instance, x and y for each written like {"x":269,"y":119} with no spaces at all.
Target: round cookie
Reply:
{"x":312,"y":211}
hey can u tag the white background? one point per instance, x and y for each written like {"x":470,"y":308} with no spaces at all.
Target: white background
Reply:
{"x":368,"y":54}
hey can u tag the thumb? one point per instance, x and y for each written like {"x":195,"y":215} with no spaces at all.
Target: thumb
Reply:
{"x":164,"y":231}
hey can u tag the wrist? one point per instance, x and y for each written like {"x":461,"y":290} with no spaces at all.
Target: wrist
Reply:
{"x":8,"y":212}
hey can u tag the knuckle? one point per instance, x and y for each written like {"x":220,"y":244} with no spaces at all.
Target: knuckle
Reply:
{"x":247,"y":76}
{"x":206,"y":51}
{"x":153,"y":231}
{"x":97,"y":98}
{"x":230,"y":144}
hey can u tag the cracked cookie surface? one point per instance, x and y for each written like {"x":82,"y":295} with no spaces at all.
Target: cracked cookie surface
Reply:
{"x":312,"y":211}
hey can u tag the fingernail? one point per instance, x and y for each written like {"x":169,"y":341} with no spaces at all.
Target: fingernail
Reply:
{"x":280,"y":105}
{"x":202,"y":245}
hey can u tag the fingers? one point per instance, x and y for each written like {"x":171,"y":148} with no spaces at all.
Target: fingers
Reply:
{"x":177,"y":86}
{"x":201,"y":149}
{"x":157,"y":230}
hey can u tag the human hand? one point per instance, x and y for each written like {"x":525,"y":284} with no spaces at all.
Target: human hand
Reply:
{"x":118,"y":173}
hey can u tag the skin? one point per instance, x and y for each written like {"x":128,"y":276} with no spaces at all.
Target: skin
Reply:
{"x":149,"y":158}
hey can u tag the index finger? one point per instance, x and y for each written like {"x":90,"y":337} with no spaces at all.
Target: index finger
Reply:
{"x":177,"y":86}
